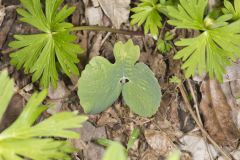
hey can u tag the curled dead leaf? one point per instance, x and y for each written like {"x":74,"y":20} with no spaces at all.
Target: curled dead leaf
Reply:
{"x":159,"y":142}
{"x":217,"y":116}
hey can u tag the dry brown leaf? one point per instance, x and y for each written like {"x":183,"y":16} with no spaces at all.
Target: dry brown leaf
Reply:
{"x":2,"y":13}
{"x":57,"y":96}
{"x":149,"y":155}
{"x":117,"y":10}
{"x":94,"y":15}
{"x":159,"y":142}
{"x":14,"y":109}
{"x":229,"y":93}
{"x":217,"y":115}
{"x":235,"y":154}
{"x":88,"y":133}
{"x":95,"y":3}
{"x":6,"y":24}
{"x":197,"y":147}
{"x":96,"y":46}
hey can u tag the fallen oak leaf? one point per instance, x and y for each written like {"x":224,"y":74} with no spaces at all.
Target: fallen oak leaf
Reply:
{"x":217,"y":115}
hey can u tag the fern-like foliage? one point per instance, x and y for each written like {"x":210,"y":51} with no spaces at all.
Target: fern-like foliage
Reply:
{"x":232,"y":9}
{"x":41,"y":53}
{"x":26,"y":140}
{"x":217,"y":45}
{"x":148,"y":12}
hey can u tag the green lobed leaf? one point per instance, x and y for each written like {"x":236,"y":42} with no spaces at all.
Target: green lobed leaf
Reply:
{"x":216,"y":46}
{"x":102,"y":82}
{"x":188,"y":14}
{"x":40,"y":54}
{"x":6,"y":91}
{"x":148,"y":13}
{"x":234,"y":10}
{"x":18,"y":141}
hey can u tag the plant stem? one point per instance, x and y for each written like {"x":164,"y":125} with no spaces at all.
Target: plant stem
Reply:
{"x":107,"y":29}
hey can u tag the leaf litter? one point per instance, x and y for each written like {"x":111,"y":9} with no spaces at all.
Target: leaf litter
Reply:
{"x":117,"y":122}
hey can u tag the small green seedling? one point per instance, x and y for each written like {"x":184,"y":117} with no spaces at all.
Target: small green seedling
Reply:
{"x":164,"y":45}
{"x":215,"y":48}
{"x":50,"y":51}
{"x":133,"y":137}
{"x":116,"y":150}
{"x":25,"y":139}
{"x":148,"y":12}
{"x":102,"y":82}
{"x":175,"y":80}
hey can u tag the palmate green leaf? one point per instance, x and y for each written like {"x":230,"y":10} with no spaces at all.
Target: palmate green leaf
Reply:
{"x":102,"y":82}
{"x":214,"y":49}
{"x":40,"y":53}
{"x":233,"y":10}
{"x":6,"y":91}
{"x":148,"y":12}
{"x":25,"y":139}
{"x":188,"y":14}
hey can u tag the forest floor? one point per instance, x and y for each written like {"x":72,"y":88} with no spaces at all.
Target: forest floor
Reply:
{"x":173,"y":127}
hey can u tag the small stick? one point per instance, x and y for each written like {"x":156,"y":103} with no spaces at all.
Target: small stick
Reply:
{"x":107,"y":29}
{"x":198,"y":115}
{"x":188,"y":105}
{"x":195,"y":101}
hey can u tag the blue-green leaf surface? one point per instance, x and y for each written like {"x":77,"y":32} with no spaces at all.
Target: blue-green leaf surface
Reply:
{"x":102,"y":82}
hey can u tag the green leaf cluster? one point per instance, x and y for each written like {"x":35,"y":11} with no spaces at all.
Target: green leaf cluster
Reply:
{"x":234,"y":10}
{"x":164,"y":45}
{"x":175,"y":80}
{"x":148,"y":12}
{"x":102,"y":82}
{"x":217,"y":45}
{"x":27,"y":139}
{"x":46,"y":53}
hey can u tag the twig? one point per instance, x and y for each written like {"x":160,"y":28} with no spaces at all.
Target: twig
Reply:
{"x":107,"y":29}
{"x":195,"y":101}
{"x":188,"y":105}
{"x":198,"y":115}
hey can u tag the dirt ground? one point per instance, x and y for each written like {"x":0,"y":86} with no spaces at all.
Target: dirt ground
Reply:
{"x":173,"y":127}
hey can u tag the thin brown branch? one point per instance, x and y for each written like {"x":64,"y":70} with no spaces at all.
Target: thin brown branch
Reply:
{"x":107,"y":29}
{"x":199,"y":124}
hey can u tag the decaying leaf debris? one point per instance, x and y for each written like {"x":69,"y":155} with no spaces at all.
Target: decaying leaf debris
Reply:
{"x":217,"y":115}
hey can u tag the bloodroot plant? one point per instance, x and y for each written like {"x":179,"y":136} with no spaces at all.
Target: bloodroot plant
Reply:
{"x":102,"y":82}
